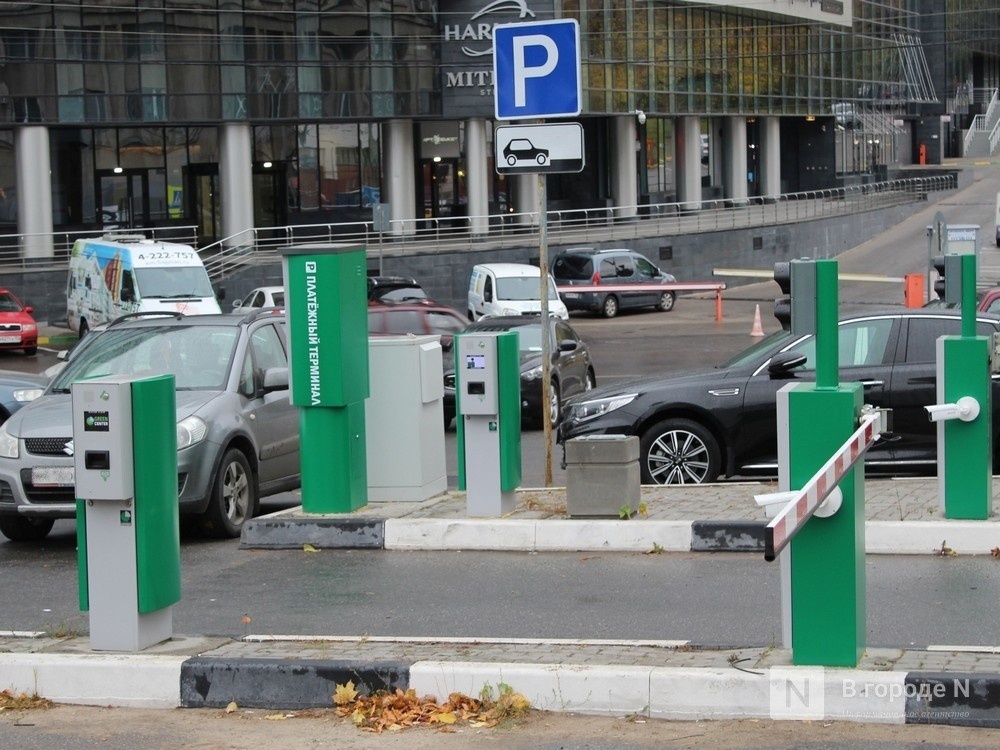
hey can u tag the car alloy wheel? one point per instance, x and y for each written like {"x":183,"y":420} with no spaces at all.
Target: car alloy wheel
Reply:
{"x":610,"y":307}
{"x":234,"y":497}
{"x":666,"y":303}
{"x":679,"y":451}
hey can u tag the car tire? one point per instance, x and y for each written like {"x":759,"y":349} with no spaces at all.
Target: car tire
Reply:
{"x":555,"y":404}
{"x":679,"y":451}
{"x":30,"y":351}
{"x":83,"y":328}
{"x":666,"y":303}
{"x":19,"y":529}
{"x":234,"y":497}
{"x":609,"y":307}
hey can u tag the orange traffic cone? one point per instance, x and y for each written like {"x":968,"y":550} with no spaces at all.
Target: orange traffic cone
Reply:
{"x":757,"y":330}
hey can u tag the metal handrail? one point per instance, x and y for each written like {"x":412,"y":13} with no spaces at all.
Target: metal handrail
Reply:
{"x":517,"y":230}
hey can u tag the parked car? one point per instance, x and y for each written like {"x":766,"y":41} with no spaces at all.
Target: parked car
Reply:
{"x":571,"y":370}
{"x":419,"y":318}
{"x":237,"y":433}
{"x":987,"y":300}
{"x":262,"y":296}
{"x":497,"y":289}
{"x":394,"y":289}
{"x":588,"y":265}
{"x":18,"y":389}
{"x":18,"y":329}
{"x":695,"y":427}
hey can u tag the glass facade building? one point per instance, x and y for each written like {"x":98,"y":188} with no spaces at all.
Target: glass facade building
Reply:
{"x":134,"y":97}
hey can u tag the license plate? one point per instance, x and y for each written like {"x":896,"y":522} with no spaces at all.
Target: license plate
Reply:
{"x":571,"y":295}
{"x":10,"y":339}
{"x":52,"y":476}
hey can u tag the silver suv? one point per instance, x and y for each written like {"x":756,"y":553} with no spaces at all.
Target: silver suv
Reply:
{"x":237,"y":432}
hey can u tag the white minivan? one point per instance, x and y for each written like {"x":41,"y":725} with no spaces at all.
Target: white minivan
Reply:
{"x":510,"y":289}
{"x":112,"y":276}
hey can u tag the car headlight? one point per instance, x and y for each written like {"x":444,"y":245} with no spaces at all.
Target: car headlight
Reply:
{"x":8,"y":443}
{"x":190,"y":431}
{"x":29,"y":327}
{"x":593,"y":408}
{"x":23,"y":395}
{"x":533,"y":374}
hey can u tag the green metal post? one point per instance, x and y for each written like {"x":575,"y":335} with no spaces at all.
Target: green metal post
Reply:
{"x":965,"y":460}
{"x":827,"y":343}
{"x":828,"y":555}
{"x":968,"y":277}
{"x":327,"y":305}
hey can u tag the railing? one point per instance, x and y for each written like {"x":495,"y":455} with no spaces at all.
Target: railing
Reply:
{"x":13,"y":257}
{"x":981,"y":122}
{"x":515,"y":230}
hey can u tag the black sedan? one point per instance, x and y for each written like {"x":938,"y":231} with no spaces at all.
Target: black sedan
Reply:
{"x":694,"y":428}
{"x":571,"y":371}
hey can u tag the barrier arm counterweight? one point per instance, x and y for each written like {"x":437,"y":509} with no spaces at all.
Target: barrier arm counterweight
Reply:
{"x":803,"y":503}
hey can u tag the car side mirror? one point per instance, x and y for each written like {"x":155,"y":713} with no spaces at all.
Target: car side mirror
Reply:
{"x":568,"y":346}
{"x":220,"y":293}
{"x":127,"y":295}
{"x":782,"y":364}
{"x":29,"y":309}
{"x":487,"y":296}
{"x":275,"y":379}
{"x":446,"y":346}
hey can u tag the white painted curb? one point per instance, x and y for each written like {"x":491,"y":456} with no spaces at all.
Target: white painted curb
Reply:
{"x":128,"y":681}
{"x":686,"y":693}
{"x":927,"y":537}
{"x":536,"y":536}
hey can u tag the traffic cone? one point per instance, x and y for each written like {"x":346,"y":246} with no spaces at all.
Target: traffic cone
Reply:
{"x":757,"y":330}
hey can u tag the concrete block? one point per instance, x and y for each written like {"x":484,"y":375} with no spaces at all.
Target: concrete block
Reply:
{"x":602,"y":475}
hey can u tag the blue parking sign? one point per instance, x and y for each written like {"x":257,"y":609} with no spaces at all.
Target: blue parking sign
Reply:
{"x":536,"y":69}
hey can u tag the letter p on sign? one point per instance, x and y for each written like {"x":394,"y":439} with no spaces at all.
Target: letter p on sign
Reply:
{"x":536,"y":69}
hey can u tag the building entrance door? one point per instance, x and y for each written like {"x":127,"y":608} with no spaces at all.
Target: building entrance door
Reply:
{"x":441,"y":195}
{"x":202,"y":200}
{"x":123,"y":199}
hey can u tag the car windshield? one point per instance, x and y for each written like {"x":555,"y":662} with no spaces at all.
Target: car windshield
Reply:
{"x":174,"y":282}
{"x":9,"y":304}
{"x":521,"y":288}
{"x":197,"y":356}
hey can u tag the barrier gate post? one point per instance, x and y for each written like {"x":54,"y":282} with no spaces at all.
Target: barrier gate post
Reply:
{"x":964,"y":409}
{"x":824,"y":608}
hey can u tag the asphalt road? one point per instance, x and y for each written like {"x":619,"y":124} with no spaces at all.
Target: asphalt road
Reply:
{"x":705,"y":598}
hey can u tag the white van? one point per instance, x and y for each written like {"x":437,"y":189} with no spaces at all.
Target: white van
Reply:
{"x":112,"y":276}
{"x":510,"y":289}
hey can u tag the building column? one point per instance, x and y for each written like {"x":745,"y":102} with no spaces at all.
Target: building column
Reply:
{"x":734,"y":143}
{"x":477,"y":177}
{"x":770,"y":157}
{"x":400,"y":177}
{"x":34,"y":190}
{"x":236,"y":183}
{"x":526,"y":198}
{"x":687,"y":157}
{"x":624,"y":175}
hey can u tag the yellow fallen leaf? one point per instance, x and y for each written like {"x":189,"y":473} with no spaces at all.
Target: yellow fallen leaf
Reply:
{"x":446,"y":717}
{"x":276,"y":717}
{"x":309,"y":548}
{"x":345,"y":693}
{"x":232,"y":707}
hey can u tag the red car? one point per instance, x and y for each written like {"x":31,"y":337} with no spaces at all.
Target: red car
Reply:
{"x":18,"y":329}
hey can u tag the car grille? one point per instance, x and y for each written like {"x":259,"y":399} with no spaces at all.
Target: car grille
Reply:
{"x":10,"y":327}
{"x":48,"y":446}
{"x":46,"y":494}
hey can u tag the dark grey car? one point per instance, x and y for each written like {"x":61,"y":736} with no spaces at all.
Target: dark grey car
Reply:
{"x":237,"y":433}
{"x":590,"y":266}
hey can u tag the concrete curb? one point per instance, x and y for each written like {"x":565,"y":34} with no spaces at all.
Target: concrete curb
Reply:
{"x":282,"y":531}
{"x":678,"y":693}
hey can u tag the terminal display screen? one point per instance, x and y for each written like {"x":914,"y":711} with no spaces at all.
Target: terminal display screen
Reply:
{"x":475,"y":361}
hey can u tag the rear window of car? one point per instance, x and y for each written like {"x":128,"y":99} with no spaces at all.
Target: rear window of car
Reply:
{"x":573,"y":267}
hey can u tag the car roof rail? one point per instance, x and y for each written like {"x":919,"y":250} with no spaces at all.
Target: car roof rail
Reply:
{"x":145,"y":314}
{"x":262,"y":312}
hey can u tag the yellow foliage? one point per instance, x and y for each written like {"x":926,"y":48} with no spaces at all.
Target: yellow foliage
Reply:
{"x":400,"y":710}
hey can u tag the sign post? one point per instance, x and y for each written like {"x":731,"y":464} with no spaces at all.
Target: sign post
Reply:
{"x":536,"y":74}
